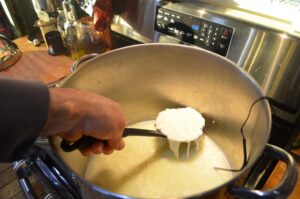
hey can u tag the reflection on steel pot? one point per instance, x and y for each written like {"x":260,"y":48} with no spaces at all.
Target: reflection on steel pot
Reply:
{"x":146,"y":79}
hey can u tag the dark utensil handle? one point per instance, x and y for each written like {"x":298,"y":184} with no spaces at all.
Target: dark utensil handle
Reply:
{"x":86,"y":141}
{"x":83,"y":142}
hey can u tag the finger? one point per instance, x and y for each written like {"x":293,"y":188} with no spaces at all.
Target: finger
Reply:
{"x":71,"y":136}
{"x":97,"y":147}
{"x":107,"y":149}
{"x":120,"y":145}
{"x":86,"y":151}
{"x":117,"y":143}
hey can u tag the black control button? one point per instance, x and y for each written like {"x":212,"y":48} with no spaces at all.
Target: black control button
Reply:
{"x":176,"y":31}
{"x":205,"y":25}
{"x":209,"y":32}
{"x":171,"y":30}
{"x":207,"y":42}
{"x":159,"y":16}
{"x":189,"y":34}
{"x":225,"y":34}
{"x":221,"y":46}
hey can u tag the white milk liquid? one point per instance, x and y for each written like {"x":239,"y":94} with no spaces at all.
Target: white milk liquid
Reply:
{"x":147,"y":168}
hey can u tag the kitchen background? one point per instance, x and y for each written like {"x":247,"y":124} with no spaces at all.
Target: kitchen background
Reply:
{"x":263,"y":30}
{"x":19,"y":15}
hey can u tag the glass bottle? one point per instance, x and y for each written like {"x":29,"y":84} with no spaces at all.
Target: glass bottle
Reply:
{"x":70,"y":27}
{"x":61,"y":20}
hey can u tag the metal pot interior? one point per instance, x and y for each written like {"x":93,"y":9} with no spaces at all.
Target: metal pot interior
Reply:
{"x":147,"y":79}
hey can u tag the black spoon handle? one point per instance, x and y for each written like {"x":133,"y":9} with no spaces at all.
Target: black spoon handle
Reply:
{"x":86,"y":141}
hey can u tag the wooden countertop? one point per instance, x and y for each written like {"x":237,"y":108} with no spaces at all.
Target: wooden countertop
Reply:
{"x":37,"y":64}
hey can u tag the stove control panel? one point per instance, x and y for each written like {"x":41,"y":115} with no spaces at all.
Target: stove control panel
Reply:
{"x":205,"y":34}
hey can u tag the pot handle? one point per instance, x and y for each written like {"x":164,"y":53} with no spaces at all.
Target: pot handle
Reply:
{"x":74,"y":67}
{"x":284,"y":188}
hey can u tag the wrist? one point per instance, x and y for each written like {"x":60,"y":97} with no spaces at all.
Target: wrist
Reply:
{"x":61,"y":108}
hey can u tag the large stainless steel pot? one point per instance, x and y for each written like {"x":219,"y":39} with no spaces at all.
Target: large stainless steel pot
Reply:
{"x":146,"y":79}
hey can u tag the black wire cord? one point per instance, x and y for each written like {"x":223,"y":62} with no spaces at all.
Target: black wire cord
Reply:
{"x":244,"y":140}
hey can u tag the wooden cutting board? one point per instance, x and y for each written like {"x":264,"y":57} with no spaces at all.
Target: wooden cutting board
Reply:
{"x":37,"y":64}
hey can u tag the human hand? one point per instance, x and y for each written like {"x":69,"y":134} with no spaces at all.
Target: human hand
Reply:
{"x":74,"y":113}
{"x":102,"y":14}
